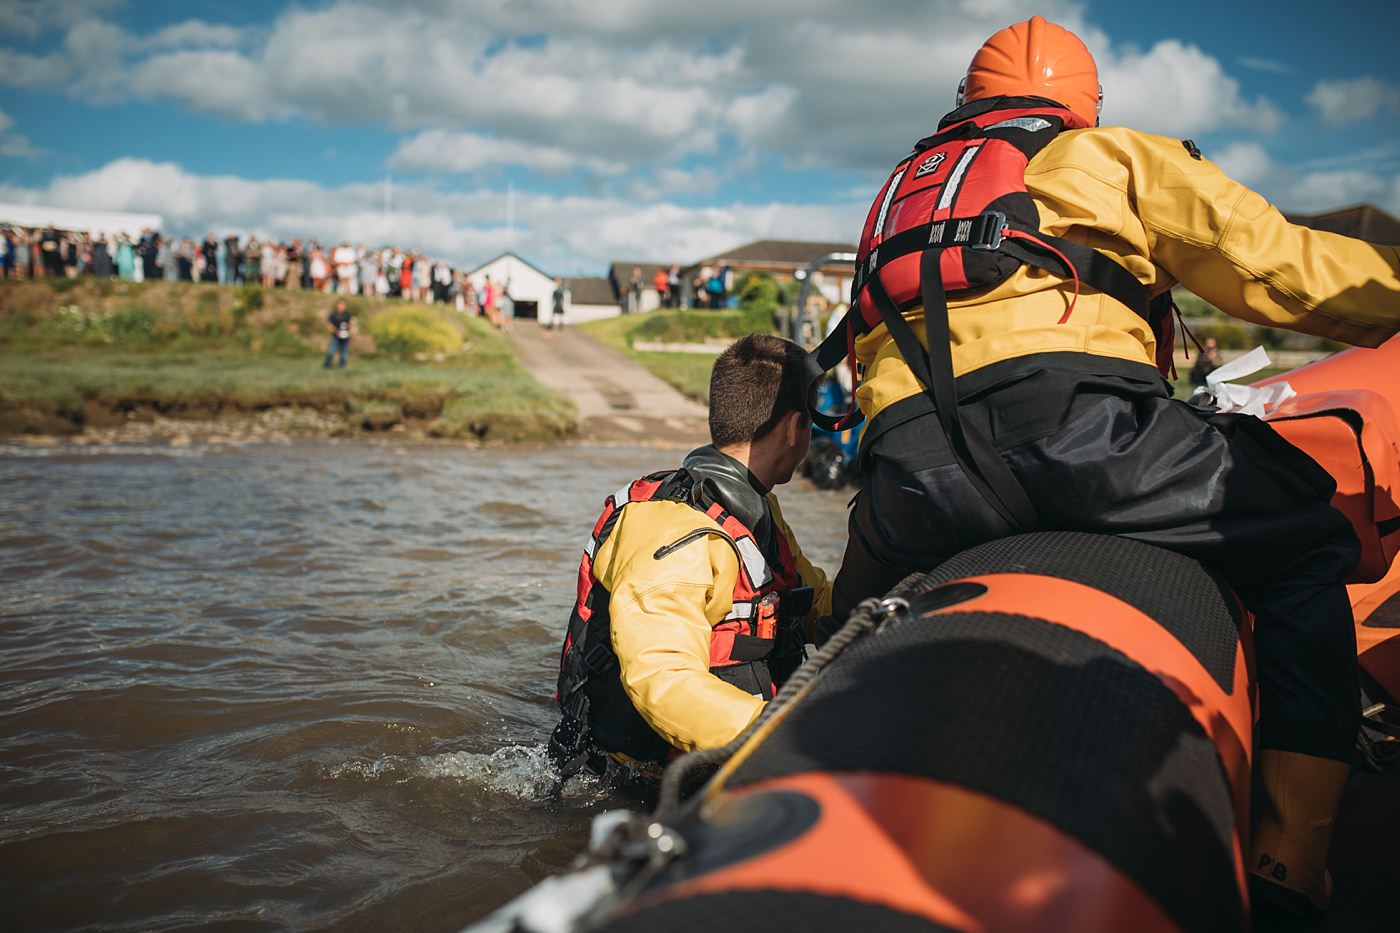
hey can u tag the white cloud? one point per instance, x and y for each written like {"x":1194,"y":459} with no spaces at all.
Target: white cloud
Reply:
{"x":570,"y":234}
{"x":666,"y":182}
{"x":31,"y":18}
{"x":1313,"y":188}
{"x":462,"y":153}
{"x":1247,"y":163}
{"x":1342,"y":101}
{"x":194,"y":33}
{"x":227,"y":83}
{"x":1175,"y":89}
{"x":13,"y":144}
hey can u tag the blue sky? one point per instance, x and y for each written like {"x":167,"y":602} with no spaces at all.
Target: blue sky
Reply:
{"x":630,"y":129}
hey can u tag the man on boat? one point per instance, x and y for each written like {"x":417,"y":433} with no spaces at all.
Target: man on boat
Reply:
{"x":1028,"y":397}
{"x":693,"y":593}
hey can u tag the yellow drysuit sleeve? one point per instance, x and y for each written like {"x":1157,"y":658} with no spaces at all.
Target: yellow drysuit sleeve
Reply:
{"x":1228,"y":245}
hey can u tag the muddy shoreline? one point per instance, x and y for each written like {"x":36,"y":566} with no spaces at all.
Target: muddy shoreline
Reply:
{"x":146,"y":426}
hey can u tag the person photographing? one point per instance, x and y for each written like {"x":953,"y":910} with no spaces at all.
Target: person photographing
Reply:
{"x":340,"y":325}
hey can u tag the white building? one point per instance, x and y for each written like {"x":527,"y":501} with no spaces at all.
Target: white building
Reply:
{"x":532,"y":291}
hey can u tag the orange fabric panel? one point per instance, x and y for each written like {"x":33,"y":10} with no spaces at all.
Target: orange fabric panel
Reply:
{"x":962,"y":859}
{"x":1366,"y":598}
{"x":1379,"y":645}
{"x":1228,"y":718}
{"x":1382,"y":661}
{"x":1333,"y":443}
{"x":1366,"y":465}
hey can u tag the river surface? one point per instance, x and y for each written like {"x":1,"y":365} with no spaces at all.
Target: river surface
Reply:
{"x":293,"y":686}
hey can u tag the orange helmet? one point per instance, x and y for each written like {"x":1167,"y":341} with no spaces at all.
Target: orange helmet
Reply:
{"x":1037,"y":59}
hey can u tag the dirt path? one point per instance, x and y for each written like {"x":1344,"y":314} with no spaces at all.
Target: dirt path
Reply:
{"x":619,"y":401}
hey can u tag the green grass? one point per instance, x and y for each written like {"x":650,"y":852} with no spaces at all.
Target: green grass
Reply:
{"x":687,"y":372}
{"x":97,"y":353}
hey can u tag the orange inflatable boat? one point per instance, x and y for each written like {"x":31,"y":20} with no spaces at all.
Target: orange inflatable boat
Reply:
{"x":1051,"y":732}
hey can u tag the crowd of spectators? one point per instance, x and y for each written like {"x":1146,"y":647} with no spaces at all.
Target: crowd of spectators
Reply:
{"x":708,"y":288}
{"x":342,"y":269}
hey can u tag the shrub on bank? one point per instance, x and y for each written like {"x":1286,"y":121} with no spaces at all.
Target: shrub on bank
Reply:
{"x":529,"y":414}
{"x":129,"y":324}
{"x":406,"y":332}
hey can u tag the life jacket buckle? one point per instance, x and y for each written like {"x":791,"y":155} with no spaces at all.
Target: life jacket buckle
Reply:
{"x":992,"y":230}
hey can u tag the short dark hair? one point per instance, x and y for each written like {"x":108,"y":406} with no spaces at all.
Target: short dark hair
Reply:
{"x":756,"y":382}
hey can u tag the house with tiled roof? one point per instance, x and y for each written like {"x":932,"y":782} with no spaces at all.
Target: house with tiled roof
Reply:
{"x":590,"y":298}
{"x":784,"y":259}
{"x":1363,"y":221}
{"x":620,"y":277}
{"x":776,"y":256}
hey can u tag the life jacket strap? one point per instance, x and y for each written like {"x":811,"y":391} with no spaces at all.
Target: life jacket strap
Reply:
{"x":933,"y":367}
{"x":1065,"y":258}
{"x":839,"y":345}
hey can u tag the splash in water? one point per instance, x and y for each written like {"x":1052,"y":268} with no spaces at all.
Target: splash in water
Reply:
{"x":523,"y":772}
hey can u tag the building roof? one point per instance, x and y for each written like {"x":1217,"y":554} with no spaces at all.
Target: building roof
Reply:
{"x":1363,"y":221}
{"x":516,"y":257}
{"x":591,"y":290}
{"x":781,"y":252}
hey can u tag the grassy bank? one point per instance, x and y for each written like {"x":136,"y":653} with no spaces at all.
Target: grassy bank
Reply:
{"x":80,"y":355}
{"x":688,"y":372}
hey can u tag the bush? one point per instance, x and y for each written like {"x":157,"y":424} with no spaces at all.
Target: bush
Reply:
{"x":759,"y":290}
{"x":128,"y":324}
{"x":404,"y":332}
{"x":209,"y":318}
{"x":251,"y":297}
{"x":1228,"y":336}
{"x":131,"y":323}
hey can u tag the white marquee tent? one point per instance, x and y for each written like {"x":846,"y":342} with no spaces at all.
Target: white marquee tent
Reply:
{"x":63,"y":218}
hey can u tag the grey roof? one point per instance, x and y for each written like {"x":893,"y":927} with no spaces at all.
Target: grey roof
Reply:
{"x":1363,"y":221}
{"x":781,"y":252}
{"x":591,"y":290}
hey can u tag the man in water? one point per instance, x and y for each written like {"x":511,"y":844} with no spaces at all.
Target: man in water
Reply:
{"x":339,"y":324}
{"x":693,"y":595}
{"x":1060,"y":419}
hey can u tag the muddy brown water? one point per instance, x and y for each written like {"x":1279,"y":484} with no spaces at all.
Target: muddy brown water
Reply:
{"x":293,"y":686}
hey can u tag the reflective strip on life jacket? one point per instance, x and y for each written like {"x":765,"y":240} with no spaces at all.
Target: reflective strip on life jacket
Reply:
{"x":740,"y":610}
{"x":755,"y":564}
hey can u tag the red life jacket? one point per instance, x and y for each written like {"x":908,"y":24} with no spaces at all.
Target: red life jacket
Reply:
{"x":742,"y":644}
{"x":953,"y":218}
